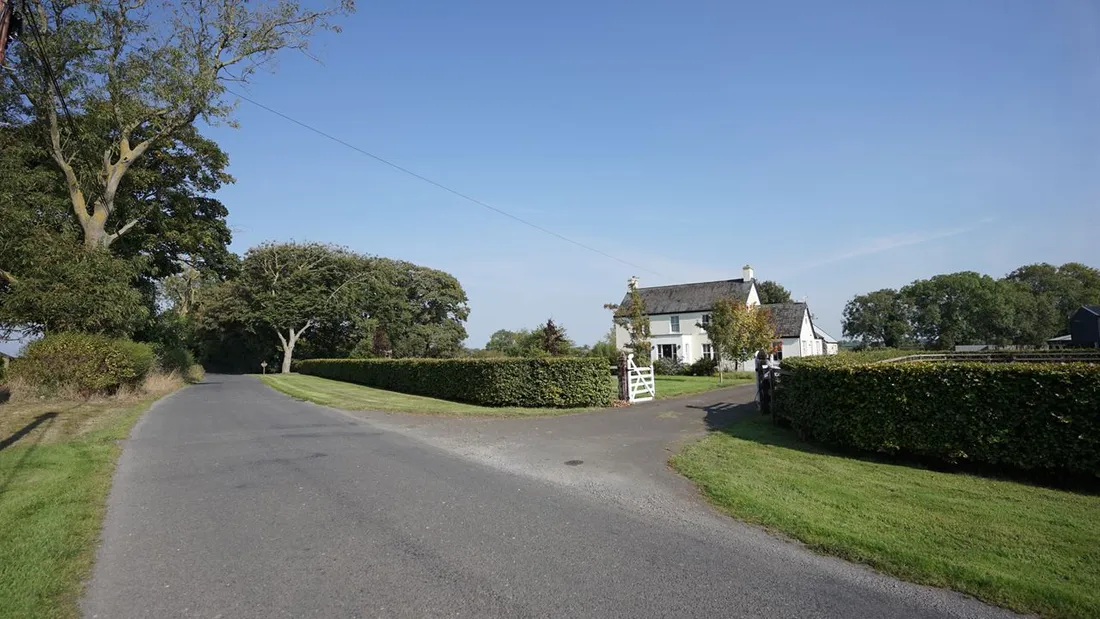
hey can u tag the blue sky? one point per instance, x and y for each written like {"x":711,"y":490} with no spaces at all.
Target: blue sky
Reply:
{"x":838,"y":147}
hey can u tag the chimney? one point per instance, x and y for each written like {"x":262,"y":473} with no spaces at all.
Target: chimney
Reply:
{"x":746,"y":273}
{"x":633,"y":283}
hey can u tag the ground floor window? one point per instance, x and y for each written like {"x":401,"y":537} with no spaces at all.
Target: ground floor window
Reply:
{"x":708,"y":351}
{"x":668,"y":351}
{"x":777,"y":350}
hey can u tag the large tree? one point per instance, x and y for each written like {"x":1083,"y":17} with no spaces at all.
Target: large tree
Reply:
{"x":962,"y":308}
{"x":879,"y":317}
{"x":737,"y":332}
{"x":1057,"y":292}
{"x":772,"y":292}
{"x":286,"y":289}
{"x":138,"y":74}
{"x":633,"y":317}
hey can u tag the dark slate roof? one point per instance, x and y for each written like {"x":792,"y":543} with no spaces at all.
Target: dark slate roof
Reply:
{"x":1095,"y":309}
{"x":698,"y":297}
{"x":788,"y":318}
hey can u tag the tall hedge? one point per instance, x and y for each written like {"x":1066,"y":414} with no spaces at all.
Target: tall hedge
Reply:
{"x":556,"y":382}
{"x":1029,"y":416}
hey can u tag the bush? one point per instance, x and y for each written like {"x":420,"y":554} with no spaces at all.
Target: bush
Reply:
{"x":668,"y":367}
{"x":562,"y":382}
{"x":174,"y":359}
{"x":703,"y":367}
{"x":90,"y":364}
{"x":1026,"y":416}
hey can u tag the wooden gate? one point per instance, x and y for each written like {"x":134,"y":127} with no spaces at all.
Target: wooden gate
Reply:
{"x":640,"y":381}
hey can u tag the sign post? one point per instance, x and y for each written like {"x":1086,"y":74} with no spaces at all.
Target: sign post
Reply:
{"x":263,"y":364}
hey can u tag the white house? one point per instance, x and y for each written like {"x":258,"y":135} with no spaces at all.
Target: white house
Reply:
{"x":677,"y":313}
{"x":829,"y":344}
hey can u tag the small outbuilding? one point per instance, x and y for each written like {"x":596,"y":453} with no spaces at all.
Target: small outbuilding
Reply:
{"x":1084,"y":327}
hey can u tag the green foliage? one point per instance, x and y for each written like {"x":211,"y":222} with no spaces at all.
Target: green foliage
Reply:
{"x":772,"y":292}
{"x":68,"y":289}
{"x":664,"y":366}
{"x":1026,"y":307}
{"x":703,"y":367}
{"x":559,"y":382}
{"x":879,"y":317}
{"x":552,"y":339}
{"x":91,"y":364}
{"x":1029,"y":416}
{"x":738,"y":332}
{"x":634,"y":319}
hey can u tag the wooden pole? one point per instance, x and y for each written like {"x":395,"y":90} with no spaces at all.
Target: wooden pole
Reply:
{"x":5,"y":26}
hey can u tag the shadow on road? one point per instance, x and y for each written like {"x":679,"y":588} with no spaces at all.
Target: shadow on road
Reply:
{"x":722,"y":414}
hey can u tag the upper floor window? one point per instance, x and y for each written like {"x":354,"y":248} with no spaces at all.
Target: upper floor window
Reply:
{"x":674,"y":324}
{"x":706,"y":319}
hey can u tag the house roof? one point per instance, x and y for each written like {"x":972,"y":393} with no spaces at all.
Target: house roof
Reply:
{"x":1095,"y":309}
{"x":1061,"y":338}
{"x":697,"y":297}
{"x":825,"y":336}
{"x":788,"y":318}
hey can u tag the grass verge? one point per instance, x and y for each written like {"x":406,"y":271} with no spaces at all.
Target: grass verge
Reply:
{"x":675,"y":386}
{"x":1023,"y":547}
{"x":350,"y":396}
{"x":55,"y":472}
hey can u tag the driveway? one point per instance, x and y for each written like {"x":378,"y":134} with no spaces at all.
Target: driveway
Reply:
{"x":232,"y":500}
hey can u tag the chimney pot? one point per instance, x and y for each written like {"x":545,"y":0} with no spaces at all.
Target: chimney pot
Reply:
{"x":747,"y":273}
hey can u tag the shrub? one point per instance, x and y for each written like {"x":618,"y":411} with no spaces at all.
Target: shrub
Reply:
{"x":174,"y":359}
{"x":562,"y":382}
{"x":1027,"y":416}
{"x":90,"y":364}
{"x":703,"y":367}
{"x":668,"y":367}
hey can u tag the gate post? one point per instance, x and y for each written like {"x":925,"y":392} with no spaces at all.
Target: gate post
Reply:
{"x":624,"y":378}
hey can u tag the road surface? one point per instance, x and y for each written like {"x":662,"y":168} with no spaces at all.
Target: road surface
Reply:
{"x":232,"y":500}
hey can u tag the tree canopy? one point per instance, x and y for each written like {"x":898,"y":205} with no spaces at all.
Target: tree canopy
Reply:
{"x":772,"y":292}
{"x":737,"y":332}
{"x":1027,"y":307}
{"x":138,"y":75}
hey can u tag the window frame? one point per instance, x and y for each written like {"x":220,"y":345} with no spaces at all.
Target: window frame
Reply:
{"x":674,"y":324}
{"x":708,"y":351}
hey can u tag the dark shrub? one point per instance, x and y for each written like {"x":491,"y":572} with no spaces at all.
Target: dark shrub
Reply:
{"x":1028,"y":416}
{"x":90,"y":364}
{"x":703,"y":367}
{"x":562,"y":382}
{"x":174,"y":359}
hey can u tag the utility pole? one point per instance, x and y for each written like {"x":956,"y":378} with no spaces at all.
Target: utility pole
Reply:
{"x":6,"y":9}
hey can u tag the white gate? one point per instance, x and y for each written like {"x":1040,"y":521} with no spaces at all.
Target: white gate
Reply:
{"x":640,"y":381}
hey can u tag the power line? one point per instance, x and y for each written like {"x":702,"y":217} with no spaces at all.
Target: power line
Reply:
{"x":437,"y":184}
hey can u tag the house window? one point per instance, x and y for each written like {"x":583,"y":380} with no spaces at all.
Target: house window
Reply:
{"x":668,"y":351}
{"x":674,"y":324}
{"x":708,"y":351}
{"x":777,"y":350}
{"x":706,"y":319}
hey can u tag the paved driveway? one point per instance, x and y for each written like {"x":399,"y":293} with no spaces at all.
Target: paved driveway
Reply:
{"x":232,"y":500}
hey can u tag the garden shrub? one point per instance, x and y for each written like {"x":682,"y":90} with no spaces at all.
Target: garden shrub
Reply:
{"x":90,"y":364}
{"x":703,"y":367}
{"x":174,"y":359}
{"x":561,"y":382}
{"x":668,"y":367}
{"x":1025,"y":416}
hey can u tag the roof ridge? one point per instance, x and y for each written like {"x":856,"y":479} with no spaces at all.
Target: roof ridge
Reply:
{"x":739,"y":280}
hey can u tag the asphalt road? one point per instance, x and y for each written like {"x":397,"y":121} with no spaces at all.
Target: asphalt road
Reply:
{"x":232,"y":500}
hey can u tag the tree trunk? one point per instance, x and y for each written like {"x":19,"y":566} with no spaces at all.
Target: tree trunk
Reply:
{"x":288,"y":344}
{"x":288,"y":354}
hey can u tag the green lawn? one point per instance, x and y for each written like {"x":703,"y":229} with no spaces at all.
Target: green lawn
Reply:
{"x":54,"y":481}
{"x":350,"y":396}
{"x":1028,"y":548}
{"x":673,"y":386}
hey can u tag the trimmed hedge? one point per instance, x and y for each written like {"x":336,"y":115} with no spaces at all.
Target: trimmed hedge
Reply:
{"x":1029,"y":416}
{"x":555,"y":382}
{"x":90,"y":364}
